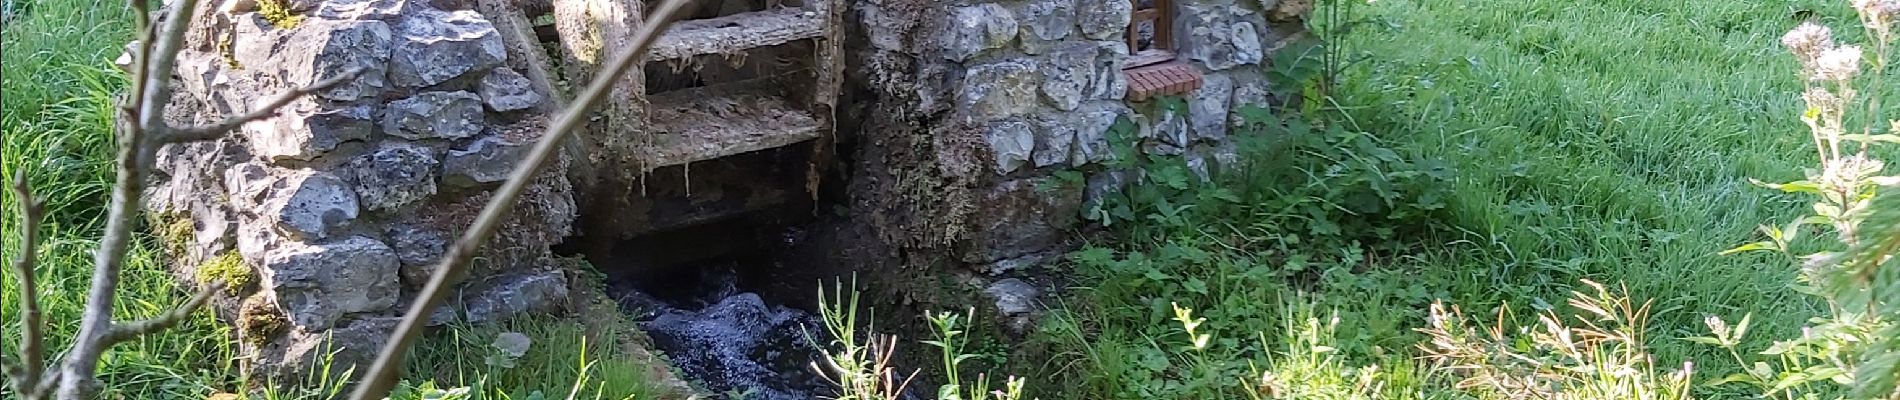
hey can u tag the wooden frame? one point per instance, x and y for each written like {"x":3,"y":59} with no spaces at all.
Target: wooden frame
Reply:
{"x":1159,"y":13}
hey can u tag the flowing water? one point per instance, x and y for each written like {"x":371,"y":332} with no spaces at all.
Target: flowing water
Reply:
{"x":731,"y":342}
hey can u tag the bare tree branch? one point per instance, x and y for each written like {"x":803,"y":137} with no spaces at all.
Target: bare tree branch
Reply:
{"x":26,"y":375}
{"x":126,"y":331}
{"x":151,"y":92}
{"x":450,"y":270}
{"x":214,"y":131}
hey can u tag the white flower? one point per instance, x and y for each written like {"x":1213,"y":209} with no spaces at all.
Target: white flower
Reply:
{"x":1808,"y":41}
{"x":1837,"y":64}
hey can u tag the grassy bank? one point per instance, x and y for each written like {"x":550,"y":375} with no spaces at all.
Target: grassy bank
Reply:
{"x":1524,"y":146}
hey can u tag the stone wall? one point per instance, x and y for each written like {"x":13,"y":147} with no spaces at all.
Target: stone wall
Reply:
{"x":340,"y":206}
{"x":959,"y":112}
{"x":972,"y":107}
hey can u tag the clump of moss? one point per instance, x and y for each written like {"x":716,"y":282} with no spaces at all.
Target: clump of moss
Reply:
{"x":278,"y":13}
{"x":176,"y":230}
{"x":229,"y":268}
{"x":258,"y":322}
{"x":230,"y":55}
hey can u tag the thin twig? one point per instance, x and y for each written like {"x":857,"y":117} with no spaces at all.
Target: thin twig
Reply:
{"x":216,"y":130}
{"x":450,"y":270}
{"x":152,"y":91}
{"x":126,"y":331}
{"x":26,"y":376}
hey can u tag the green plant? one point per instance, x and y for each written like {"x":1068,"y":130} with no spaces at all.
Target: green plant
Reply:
{"x":859,"y":366}
{"x":1601,"y":357}
{"x":1855,"y":348}
{"x":951,"y":341}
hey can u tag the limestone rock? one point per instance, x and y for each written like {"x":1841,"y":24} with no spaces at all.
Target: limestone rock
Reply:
{"x":318,"y":283}
{"x":1055,"y":139}
{"x":1108,"y":83}
{"x":1018,"y":217}
{"x":1105,"y":20}
{"x":1219,"y":36}
{"x":1013,"y":297}
{"x":304,"y":130}
{"x":488,"y":160}
{"x":1046,"y":21}
{"x":1105,"y":183}
{"x":1205,"y":159}
{"x":1207,"y":108}
{"x":974,"y":29}
{"x":507,"y":90}
{"x":504,"y":297}
{"x":999,"y":90}
{"x":321,"y":49}
{"x":382,"y":10}
{"x":418,"y":248}
{"x":1011,"y":142}
{"x":1249,"y":91}
{"x":394,"y":175}
{"x":1093,"y":124}
{"x":436,"y":46}
{"x":434,"y":115}
{"x":1015,"y":303}
{"x":1169,"y":131}
{"x":304,"y":204}
{"x":1067,"y":74}
{"x":352,"y":343}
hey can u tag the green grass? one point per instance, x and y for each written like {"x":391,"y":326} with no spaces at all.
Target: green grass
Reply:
{"x":1604,"y":140}
{"x":1607,"y":140}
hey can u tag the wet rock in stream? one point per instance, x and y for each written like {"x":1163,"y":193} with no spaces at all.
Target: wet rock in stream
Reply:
{"x":737,"y":344}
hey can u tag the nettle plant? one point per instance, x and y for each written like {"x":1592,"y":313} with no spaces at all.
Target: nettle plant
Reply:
{"x":1853,"y":351}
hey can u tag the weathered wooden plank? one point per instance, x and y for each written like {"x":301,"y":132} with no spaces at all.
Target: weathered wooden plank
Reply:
{"x":736,"y":33}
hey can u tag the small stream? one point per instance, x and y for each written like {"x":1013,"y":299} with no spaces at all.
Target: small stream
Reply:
{"x":731,"y":343}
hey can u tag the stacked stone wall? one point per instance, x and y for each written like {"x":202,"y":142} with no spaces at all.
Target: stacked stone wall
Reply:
{"x":340,"y":206}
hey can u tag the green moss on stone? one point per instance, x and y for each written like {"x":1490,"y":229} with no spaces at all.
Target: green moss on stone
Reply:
{"x":229,"y":268}
{"x":278,"y":13}
{"x":261,"y":325}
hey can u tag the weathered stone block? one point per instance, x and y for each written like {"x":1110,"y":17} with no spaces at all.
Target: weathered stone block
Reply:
{"x":1067,"y":73}
{"x":1167,"y":131}
{"x":1108,"y":82}
{"x":436,"y":46}
{"x":1250,"y":90}
{"x":303,"y":204}
{"x":418,"y":248}
{"x":1208,"y":108}
{"x":434,"y":115}
{"x":383,"y":10}
{"x":488,"y":160}
{"x":1055,"y":139}
{"x":1105,"y":20}
{"x":304,"y":130}
{"x":1011,"y":142}
{"x":321,"y":49}
{"x":394,"y":175}
{"x":1019,"y":217}
{"x":974,"y":29}
{"x":500,"y":298}
{"x":999,"y":90}
{"x":1093,"y":123}
{"x":1046,"y":21}
{"x":507,"y":90}
{"x":318,"y":283}
{"x":1219,"y":36}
